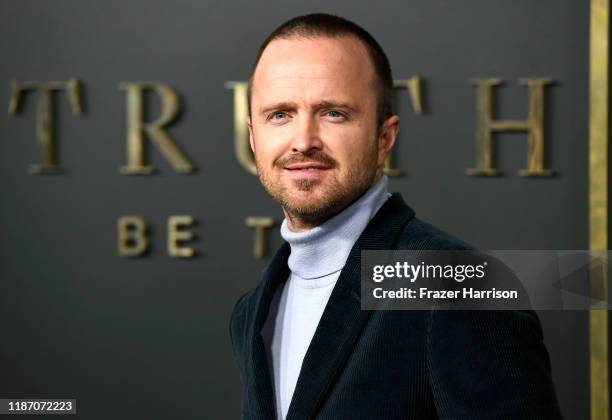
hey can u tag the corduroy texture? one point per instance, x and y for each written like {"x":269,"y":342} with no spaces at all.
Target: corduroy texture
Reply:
{"x":398,"y":364}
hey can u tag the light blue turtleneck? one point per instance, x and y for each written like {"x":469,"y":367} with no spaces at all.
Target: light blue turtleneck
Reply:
{"x":316,"y":259}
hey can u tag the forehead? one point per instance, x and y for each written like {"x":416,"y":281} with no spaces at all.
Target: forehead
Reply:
{"x":319,"y":66}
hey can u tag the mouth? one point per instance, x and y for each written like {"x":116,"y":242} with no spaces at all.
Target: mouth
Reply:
{"x":310,"y":170}
{"x":307,"y":166}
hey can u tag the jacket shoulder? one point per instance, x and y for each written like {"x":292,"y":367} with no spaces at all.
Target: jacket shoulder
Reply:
{"x":244,"y":312}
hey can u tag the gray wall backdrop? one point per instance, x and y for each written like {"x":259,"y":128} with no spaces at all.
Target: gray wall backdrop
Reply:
{"x":148,"y":338}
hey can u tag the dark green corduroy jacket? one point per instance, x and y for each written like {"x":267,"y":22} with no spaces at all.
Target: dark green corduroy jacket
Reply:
{"x":397,"y":364}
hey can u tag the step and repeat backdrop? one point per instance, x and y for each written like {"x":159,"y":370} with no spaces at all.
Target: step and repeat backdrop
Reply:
{"x":131,"y":218}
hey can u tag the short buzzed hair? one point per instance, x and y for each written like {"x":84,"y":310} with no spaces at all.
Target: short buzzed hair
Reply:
{"x":330,"y":26}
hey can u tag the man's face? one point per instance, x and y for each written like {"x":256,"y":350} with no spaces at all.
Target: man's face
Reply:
{"x":313,"y":126}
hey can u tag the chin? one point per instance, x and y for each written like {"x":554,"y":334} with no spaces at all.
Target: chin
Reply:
{"x":314,"y":195}
{"x":305,"y":205}
{"x":312,"y":205}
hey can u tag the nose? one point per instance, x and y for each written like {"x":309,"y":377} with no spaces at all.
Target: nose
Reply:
{"x":306,"y":135}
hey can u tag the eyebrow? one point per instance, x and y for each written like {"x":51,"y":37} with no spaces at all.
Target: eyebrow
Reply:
{"x":318,"y":106}
{"x":332,"y":104}
{"x":277,"y":106}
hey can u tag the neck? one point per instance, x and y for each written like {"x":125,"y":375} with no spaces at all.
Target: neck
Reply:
{"x":323,"y":249}
{"x":300,"y":223}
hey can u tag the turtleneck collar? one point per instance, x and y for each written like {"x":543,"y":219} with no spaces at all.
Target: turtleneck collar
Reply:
{"x":323,"y":250}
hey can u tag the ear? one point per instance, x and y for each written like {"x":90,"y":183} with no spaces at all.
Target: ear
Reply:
{"x":249,"y":125}
{"x":388,"y":135}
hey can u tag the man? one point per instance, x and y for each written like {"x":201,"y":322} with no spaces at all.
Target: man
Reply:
{"x":321,"y":126}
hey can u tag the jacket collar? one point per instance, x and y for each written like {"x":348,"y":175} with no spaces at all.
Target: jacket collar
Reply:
{"x":338,"y":329}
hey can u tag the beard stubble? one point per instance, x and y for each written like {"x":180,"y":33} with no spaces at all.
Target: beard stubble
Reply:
{"x":336,"y":194}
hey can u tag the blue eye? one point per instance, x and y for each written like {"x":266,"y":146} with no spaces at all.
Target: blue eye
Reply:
{"x":278,"y":115}
{"x":334,"y":114}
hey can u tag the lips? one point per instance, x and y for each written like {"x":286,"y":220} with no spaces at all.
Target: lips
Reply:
{"x":311,"y":171}
{"x":307,"y":166}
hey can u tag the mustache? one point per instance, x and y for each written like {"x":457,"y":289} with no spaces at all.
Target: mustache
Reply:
{"x":310,"y":156}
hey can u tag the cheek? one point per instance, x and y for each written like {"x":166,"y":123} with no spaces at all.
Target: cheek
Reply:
{"x":353,"y":147}
{"x":266,"y":159}
{"x":268,"y":147}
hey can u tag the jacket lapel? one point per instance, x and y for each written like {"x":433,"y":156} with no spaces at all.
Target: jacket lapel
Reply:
{"x":260,"y":394}
{"x":343,"y":319}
